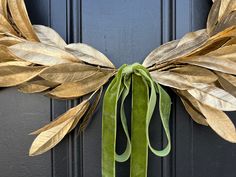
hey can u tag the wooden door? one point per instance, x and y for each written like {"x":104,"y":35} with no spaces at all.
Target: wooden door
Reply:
{"x":126,"y":31}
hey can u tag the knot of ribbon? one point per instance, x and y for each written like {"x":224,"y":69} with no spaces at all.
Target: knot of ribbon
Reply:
{"x":144,"y":97}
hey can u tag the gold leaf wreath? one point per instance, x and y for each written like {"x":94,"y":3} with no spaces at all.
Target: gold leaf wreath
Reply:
{"x":200,"y":68}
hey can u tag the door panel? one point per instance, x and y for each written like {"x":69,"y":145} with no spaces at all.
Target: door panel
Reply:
{"x":20,"y":114}
{"x":126,"y":31}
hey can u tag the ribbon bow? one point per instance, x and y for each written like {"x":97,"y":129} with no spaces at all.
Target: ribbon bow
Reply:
{"x":143,"y":105}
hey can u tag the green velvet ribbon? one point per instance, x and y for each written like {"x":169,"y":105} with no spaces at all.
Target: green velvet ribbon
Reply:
{"x":144,"y":98}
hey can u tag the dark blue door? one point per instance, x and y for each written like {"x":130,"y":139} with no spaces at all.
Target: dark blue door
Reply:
{"x":126,"y":31}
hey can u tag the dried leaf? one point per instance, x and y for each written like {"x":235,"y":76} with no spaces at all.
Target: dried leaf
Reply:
{"x":5,"y":26}
{"x":80,"y":88}
{"x":15,"y":63}
{"x":8,"y":41}
{"x":213,"y":96}
{"x":219,"y":122}
{"x":213,"y":16}
{"x":214,"y":63}
{"x":15,"y":75}
{"x":195,"y":74}
{"x":228,"y":82}
{"x":215,"y":42}
{"x":171,"y":79}
{"x":231,"y":41}
{"x":226,"y":15}
{"x":21,"y":19}
{"x":223,"y":6}
{"x":42,"y":54}
{"x":50,"y":138}
{"x":36,"y":86}
{"x":192,"y":36}
{"x":191,"y":107}
{"x":74,"y":113}
{"x":188,"y":44}
{"x":69,"y":72}
{"x":1,"y":35}
{"x":84,"y":108}
{"x":48,"y":36}
{"x":226,"y":52}
{"x":226,"y":22}
{"x":5,"y":54}
{"x":51,"y":134}
{"x":3,"y":7}
{"x":88,"y":116}
{"x":221,"y":16}
{"x":89,"y":54}
{"x":159,"y":52}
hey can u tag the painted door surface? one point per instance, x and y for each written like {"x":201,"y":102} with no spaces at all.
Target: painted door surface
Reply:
{"x":126,"y":31}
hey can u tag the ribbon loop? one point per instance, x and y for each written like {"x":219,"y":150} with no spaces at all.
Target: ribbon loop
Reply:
{"x":126,"y":154}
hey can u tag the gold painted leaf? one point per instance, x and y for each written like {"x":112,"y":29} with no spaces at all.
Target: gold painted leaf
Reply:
{"x":231,"y":41}
{"x":194,"y":114}
{"x":8,"y":41}
{"x":75,"y":112}
{"x":216,"y":41}
{"x":3,"y":7}
{"x":159,"y":52}
{"x":191,"y":107}
{"x":226,"y":15}
{"x":195,"y":74}
{"x":69,"y":72}
{"x":1,"y":35}
{"x":15,"y":63}
{"x":214,"y":63}
{"x":223,"y":6}
{"x":5,"y":26}
{"x":188,"y":44}
{"x":80,"y":88}
{"x":49,"y":36}
{"x":219,"y":122}
{"x":171,"y":79}
{"x":14,"y":75}
{"x":84,"y":107}
{"x":228,"y":32}
{"x":228,"y":83}
{"x":5,"y":54}
{"x":21,"y":19}
{"x":89,"y":114}
{"x":213,"y":16}
{"x":213,"y":96}
{"x":36,"y":86}
{"x":226,"y":52}
{"x":192,"y":36}
{"x":193,"y":111}
{"x":42,"y":54}
{"x":226,"y":22}
{"x":221,"y":16}
{"x":50,"y":138}
{"x":89,"y":54}
{"x":51,"y":134}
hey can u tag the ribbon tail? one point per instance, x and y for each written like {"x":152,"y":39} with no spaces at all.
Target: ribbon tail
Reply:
{"x":139,"y":155}
{"x":164,"y":108}
{"x":109,"y":118}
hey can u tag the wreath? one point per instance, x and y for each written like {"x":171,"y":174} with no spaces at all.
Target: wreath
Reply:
{"x":200,"y":68}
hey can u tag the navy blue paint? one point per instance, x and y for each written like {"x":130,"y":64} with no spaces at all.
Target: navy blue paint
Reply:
{"x":126,"y":31}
